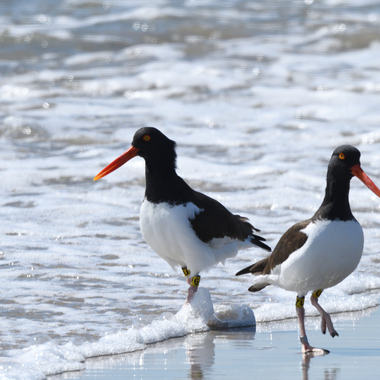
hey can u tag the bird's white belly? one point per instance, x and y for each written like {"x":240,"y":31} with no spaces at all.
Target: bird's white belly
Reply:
{"x":168,"y":231}
{"x":332,"y":252}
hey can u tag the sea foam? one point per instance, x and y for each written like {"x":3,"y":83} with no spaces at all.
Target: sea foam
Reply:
{"x":49,"y":358}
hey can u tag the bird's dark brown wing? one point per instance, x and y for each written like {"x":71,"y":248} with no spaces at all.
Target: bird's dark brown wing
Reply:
{"x":292,"y":240}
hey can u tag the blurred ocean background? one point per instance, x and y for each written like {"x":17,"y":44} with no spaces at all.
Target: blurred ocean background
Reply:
{"x":257,"y":95}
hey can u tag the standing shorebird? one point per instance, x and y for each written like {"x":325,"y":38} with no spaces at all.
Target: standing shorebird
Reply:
{"x":320,"y":252}
{"x":186,"y":228}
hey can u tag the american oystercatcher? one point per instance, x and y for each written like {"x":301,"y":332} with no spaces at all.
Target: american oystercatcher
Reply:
{"x":320,"y":252}
{"x":186,"y":228}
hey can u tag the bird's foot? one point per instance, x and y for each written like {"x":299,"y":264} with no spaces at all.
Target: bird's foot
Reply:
{"x":310,"y":350}
{"x":327,"y":322}
{"x":307,"y":349}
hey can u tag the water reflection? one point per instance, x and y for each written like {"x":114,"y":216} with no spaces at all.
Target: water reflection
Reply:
{"x":200,"y":349}
{"x":329,"y":374}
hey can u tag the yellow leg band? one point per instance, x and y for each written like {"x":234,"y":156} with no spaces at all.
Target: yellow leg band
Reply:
{"x":195,"y":281}
{"x":186,"y":272}
{"x":317,"y":293}
{"x":300,"y":302}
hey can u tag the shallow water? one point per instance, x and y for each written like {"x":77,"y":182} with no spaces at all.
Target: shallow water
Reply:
{"x":257,"y":95}
{"x":246,"y":354}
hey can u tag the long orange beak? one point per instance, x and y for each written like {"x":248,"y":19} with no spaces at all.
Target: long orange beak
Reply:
{"x":357,"y":171}
{"x":129,"y":154}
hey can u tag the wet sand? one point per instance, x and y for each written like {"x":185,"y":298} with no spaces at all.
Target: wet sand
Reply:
{"x":270,"y":351}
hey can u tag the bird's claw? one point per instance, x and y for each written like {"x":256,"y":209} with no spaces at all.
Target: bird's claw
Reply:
{"x":327,"y":323}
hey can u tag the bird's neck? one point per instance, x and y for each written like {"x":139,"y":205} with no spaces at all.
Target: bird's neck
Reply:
{"x":163,"y":184}
{"x":336,"y":203}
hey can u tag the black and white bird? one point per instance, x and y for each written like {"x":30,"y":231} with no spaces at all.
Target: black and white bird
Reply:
{"x":186,"y":228}
{"x":320,"y":252}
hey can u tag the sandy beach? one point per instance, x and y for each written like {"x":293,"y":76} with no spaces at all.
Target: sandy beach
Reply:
{"x":269,"y":351}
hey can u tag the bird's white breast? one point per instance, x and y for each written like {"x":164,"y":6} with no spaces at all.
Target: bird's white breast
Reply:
{"x":332,"y":252}
{"x":168,"y":231}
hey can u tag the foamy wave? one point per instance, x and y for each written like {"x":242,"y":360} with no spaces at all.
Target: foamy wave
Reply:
{"x":49,"y":358}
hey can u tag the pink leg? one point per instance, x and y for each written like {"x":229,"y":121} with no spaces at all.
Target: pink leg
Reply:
{"x":193,"y":282}
{"x":326,"y":319}
{"x":306,"y":348}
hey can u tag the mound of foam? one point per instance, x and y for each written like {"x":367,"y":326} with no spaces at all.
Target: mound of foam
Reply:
{"x":231,"y":316}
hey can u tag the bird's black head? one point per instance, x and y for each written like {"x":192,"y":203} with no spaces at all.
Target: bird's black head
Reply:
{"x":150,"y":144}
{"x":154,"y":146}
{"x":343,"y":159}
{"x":344,"y":164}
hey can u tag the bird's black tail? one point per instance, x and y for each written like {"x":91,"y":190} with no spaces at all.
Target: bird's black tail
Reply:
{"x":258,"y":240}
{"x":244,"y":271}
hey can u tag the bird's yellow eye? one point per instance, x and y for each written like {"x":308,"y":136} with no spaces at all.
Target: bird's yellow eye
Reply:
{"x":147,"y":137}
{"x":342,"y":156}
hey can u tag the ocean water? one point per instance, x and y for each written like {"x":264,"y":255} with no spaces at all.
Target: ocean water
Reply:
{"x":257,"y":95}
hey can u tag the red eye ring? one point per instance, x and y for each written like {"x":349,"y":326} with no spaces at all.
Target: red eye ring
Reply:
{"x":342,"y":156}
{"x":147,"y":137}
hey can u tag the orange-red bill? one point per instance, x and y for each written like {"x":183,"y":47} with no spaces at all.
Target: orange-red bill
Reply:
{"x":357,"y":171}
{"x":130,"y":153}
